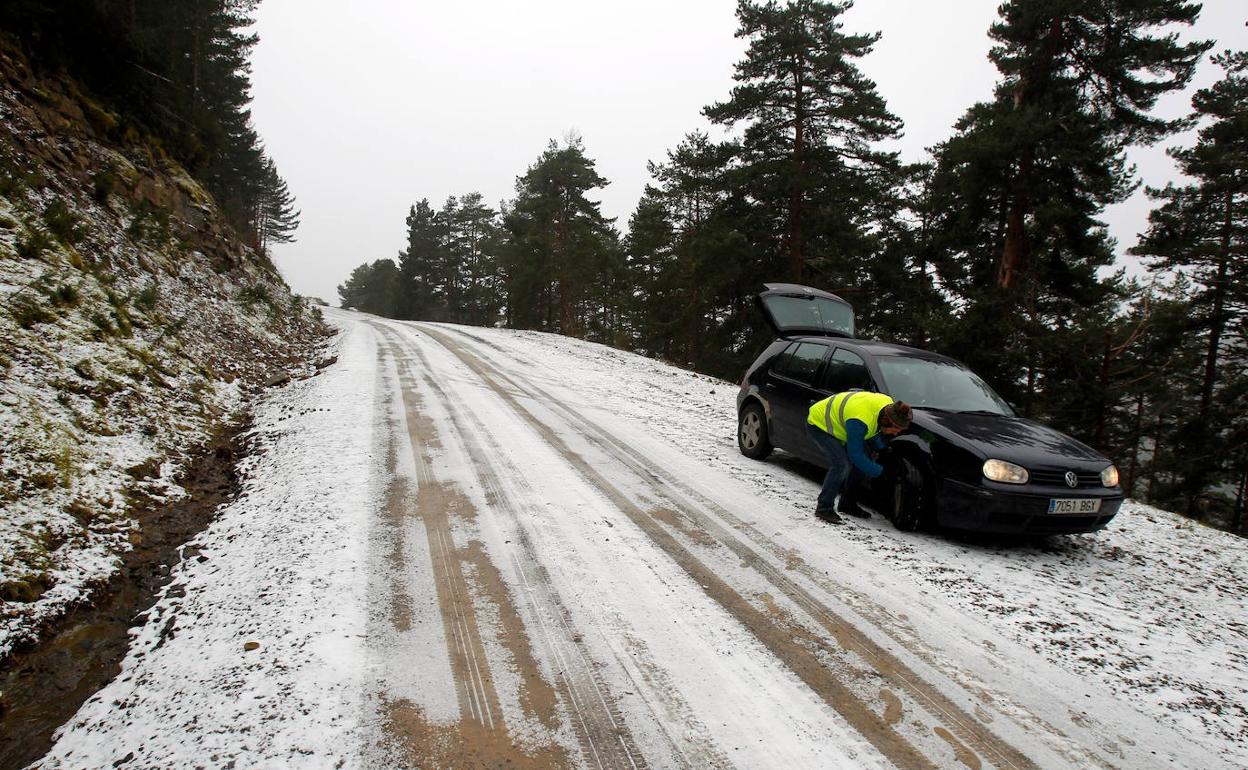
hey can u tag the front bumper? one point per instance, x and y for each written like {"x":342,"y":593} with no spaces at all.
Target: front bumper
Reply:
{"x":1024,"y":510}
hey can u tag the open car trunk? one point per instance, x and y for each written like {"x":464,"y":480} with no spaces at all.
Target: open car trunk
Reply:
{"x":794,"y":310}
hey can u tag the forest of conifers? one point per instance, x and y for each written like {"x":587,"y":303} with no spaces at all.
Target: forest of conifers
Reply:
{"x":175,"y":75}
{"x":992,"y":252}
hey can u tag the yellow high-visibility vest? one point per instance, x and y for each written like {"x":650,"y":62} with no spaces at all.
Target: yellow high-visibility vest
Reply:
{"x":831,"y":413}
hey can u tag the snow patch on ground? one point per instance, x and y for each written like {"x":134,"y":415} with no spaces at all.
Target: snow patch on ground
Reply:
{"x":1154,"y":608}
{"x":255,"y":648}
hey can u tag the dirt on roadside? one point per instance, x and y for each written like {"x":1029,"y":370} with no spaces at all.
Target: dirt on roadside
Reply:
{"x":42,"y":686}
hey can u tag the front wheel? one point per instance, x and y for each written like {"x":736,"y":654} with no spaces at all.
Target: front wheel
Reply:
{"x":752,"y":437}
{"x":912,"y":498}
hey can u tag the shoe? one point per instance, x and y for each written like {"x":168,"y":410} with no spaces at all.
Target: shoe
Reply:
{"x":828,"y":515}
{"x":851,"y":508}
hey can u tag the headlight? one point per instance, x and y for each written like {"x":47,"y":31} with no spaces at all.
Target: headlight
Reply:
{"x":1109,"y":476}
{"x":1000,"y":470}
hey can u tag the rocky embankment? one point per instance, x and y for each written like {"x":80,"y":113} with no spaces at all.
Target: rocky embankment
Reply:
{"x":134,"y":328}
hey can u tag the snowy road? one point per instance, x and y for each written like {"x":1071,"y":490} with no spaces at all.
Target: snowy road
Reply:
{"x":480,"y":548}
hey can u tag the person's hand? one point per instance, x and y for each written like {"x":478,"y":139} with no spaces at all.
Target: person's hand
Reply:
{"x":891,"y":467}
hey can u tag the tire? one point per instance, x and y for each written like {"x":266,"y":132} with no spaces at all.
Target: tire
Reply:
{"x":911,"y":503}
{"x":753,"y":439}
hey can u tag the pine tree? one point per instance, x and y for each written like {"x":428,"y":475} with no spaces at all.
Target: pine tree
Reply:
{"x":1201,"y":230}
{"x":1163,"y":371}
{"x":895,"y":295}
{"x":811,"y":117}
{"x":1235,"y":394}
{"x":558,"y":240}
{"x":276,"y":218}
{"x":1081,"y":77}
{"x":702,"y":272}
{"x":178,"y":72}
{"x":475,"y":239}
{"x":418,"y":263}
{"x":372,"y":288}
{"x":1016,"y":238}
{"x":208,"y":43}
{"x":648,"y":248}
{"x":448,"y":264}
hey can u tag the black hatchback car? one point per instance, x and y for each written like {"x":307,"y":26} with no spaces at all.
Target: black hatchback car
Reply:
{"x":967,"y":461}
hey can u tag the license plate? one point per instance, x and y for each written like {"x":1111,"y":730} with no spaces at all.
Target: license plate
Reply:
{"x":1074,"y":505}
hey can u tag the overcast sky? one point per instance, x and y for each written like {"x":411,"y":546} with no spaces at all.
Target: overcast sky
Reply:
{"x":369,"y":106}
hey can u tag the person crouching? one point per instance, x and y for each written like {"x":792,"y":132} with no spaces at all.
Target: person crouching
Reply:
{"x":845,"y":425}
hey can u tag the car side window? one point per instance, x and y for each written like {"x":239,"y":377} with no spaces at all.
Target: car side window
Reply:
{"x":781,"y":361}
{"x":847,"y":371}
{"x":801,"y":361}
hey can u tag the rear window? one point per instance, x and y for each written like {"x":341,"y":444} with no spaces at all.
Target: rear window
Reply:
{"x":801,"y":361}
{"x":814,"y":313}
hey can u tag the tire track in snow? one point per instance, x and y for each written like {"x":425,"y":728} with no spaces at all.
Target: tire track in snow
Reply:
{"x":481,"y":737}
{"x":605,"y":740}
{"x":964,"y":734}
{"x":800,"y":659}
{"x":961,"y":731}
{"x":434,"y":503}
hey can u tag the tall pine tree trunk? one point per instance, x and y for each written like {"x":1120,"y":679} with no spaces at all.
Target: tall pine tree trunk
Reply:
{"x":1102,"y":397}
{"x":1217,"y":322}
{"x":1237,"y":522}
{"x":1014,"y":252}
{"x":1136,"y":428}
{"x":794,"y":237}
{"x":196,"y":55}
{"x":1156,"y":461}
{"x":566,"y":290}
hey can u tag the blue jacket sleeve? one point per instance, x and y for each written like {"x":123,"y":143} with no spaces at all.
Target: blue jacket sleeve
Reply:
{"x":855,"y":447}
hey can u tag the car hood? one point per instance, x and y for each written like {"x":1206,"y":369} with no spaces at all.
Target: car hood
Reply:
{"x":1013,"y":439}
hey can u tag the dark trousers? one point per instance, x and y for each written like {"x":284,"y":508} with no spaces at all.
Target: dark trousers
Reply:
{"x":842,"y":476}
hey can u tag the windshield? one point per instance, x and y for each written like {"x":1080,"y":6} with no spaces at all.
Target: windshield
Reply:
{"x":939,"y":385}
{"x":815,"y":313}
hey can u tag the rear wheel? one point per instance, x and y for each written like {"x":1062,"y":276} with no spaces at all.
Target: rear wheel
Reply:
{"x":752,"y":436}
{"x":912,"y":498}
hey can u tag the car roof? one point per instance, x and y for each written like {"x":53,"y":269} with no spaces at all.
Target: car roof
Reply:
{"x":876,"y":348}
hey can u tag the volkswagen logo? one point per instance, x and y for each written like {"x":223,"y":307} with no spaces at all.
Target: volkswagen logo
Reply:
{"x":1072,"y":480}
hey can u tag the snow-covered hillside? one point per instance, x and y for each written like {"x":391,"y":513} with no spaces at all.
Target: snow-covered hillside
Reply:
{"x":304,"y":633}
{"x":133,"y":328}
